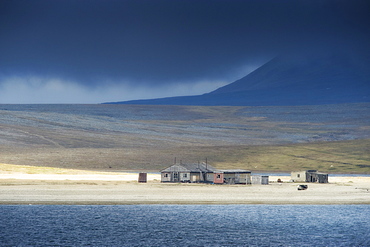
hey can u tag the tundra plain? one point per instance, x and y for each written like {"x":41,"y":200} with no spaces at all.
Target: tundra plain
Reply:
{"x":117,"y":138}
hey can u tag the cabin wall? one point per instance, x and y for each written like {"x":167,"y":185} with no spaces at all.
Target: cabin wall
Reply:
{"x":195,"y":177}
{"x":323,"y":178}
{"x":166,"y":177}
{"x":229,"y":178}
{"x":243,"y":178}
{"x":317,"y":177}
{"x":184,"y":176}
{"x":210,"y":177}
{"x":311,"y":177}
{"x":240,"y":178}
{"x":237,"y":178}
{"x":218,"y":178}
{"x":258,"y":179}
{"x":265,"y":180}
{"x":298,"y":176}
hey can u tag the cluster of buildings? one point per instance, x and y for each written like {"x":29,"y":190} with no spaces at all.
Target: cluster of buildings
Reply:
{"x":205,"y":173}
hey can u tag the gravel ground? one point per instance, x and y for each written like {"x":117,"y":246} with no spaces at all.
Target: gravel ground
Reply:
{"x":340,"y":190}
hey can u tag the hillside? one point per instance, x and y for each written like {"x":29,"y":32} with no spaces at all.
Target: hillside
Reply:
{"x":289,"y":80}
{"x":331,"y":138}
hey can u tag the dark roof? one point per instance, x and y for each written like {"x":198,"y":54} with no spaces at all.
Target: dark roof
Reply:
{"x":314,"y":172}
{"x":235,"y":171}
{"x":202,"y":167}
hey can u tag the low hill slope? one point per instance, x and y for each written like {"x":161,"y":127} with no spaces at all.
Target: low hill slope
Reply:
{"x":290,"y":80}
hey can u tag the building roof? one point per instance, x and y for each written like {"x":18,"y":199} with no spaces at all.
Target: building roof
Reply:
{"x":235,"y":171}
{"x":313,"y":172}
{"x":201,"y":167}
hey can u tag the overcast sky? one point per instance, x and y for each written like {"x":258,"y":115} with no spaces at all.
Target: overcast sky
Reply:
{"x":77,"y":51}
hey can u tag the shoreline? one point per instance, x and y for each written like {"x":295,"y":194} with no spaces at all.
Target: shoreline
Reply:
{"x":119,"y":191}
{"x":25,"y":185}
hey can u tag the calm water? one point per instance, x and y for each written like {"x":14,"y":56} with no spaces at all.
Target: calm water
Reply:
{"x":185,"y":225}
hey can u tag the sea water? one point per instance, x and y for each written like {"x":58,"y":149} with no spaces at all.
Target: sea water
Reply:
{"x":185,"y":225}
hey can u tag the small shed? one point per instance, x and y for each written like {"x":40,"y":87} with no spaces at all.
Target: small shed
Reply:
{"x":322,"y":177}
{"x":310,"y":176}
{"x":142,"y":177}
{"x":299,"y":176}
{"x":237,"y":176}
{"x":260,"y":179}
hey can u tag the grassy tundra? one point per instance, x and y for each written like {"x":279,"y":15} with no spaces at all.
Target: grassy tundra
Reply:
{"x":331,"y":138}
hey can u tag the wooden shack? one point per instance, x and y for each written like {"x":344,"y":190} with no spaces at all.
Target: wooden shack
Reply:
{"x":260,"y":179}
{"x":310,"y":176}
{"x":142,"y":177}
{"x":188,"y":173}
{"x":236,"y":176}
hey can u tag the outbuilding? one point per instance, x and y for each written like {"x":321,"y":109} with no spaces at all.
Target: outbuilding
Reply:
{"x":260,"y":179}
{"x":237,"y":176}
{"x":310,"y":176}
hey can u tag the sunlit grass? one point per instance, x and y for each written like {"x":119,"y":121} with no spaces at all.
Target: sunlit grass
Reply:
{"x":24,"y":169}
{"x":334,"y":157}
{"x":149,"y":138}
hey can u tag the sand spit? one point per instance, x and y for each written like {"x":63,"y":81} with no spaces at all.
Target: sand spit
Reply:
{"x":341,"y":190}
{"x":79,"y":177}
{"x":43,"y":185}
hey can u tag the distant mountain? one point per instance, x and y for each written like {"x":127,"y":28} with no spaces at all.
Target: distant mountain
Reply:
{"x":289,"y":80}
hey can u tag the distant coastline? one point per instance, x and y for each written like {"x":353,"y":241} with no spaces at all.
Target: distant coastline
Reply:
{"x":74,"y":187}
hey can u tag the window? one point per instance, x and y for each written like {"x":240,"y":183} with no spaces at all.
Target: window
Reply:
{"x":166,"y":175}
{"x":185,"y":175}
{"x":298,"y":175}
{"x":218,"y":176}
{"x":175,"y":175}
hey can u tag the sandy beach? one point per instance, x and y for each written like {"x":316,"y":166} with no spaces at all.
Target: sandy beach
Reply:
{"x":85,"y":187}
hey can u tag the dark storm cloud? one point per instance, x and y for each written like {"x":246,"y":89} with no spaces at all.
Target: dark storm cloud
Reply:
{"x":159,"y":42}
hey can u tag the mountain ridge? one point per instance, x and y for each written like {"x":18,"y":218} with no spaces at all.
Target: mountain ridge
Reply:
{"x":311,"y":79}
